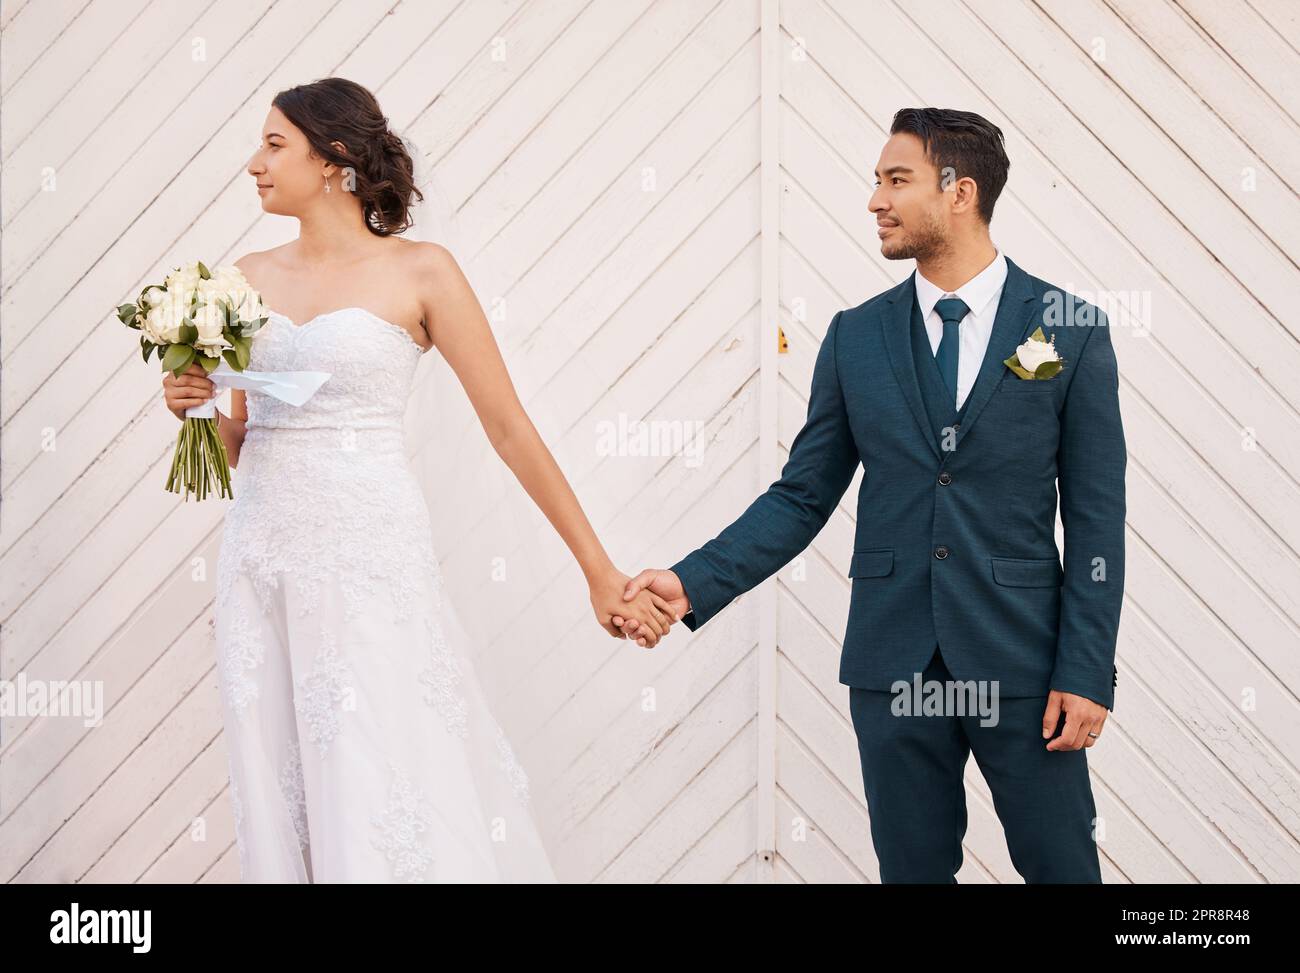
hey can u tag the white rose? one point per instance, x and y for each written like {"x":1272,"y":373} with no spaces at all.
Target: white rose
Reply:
{"x":229,"y":282}
{"x":151,"y":324}
{"x":230,"y":278}
{"x":248,"y":304}
{"x":209,"y":290}
{"x":210,"y":320}
{"x":153,"y":294}
{"x":184,"y":278}
{"x":180,"y":294}
{"x":1034,"y":352}
{"x":163,"y":322}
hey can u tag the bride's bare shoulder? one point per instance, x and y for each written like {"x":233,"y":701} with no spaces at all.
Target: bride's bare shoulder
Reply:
{"x":436,"y":265}
{"x":426,"y":251}
{"x":442,"y":287}
{"x":254,"y":259}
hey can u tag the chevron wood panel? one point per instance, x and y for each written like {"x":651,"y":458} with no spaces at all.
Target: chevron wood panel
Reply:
{"x":639,"y":190}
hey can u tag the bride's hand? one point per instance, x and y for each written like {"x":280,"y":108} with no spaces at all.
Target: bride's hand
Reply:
{"x":654,"y":614}
{"x":191,"y":387}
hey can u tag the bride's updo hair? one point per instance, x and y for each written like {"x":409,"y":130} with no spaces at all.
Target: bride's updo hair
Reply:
{"x":335,"y":109}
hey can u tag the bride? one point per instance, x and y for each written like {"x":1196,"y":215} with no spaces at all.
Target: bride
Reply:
{"x":361,"y":748}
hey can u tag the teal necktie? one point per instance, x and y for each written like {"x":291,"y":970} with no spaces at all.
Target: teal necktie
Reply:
{"x":951,"y":310}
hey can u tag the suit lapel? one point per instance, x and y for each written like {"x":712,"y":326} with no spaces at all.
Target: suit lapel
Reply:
{"x":1010,"y":328}
{"x":898,"y":342}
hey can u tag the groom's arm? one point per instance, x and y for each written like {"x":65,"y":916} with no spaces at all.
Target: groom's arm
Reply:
{"x":784,"y":520}
{"x":1090,"y":477}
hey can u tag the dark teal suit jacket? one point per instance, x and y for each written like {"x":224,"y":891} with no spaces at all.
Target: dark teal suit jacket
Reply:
{"x":955,"y":541}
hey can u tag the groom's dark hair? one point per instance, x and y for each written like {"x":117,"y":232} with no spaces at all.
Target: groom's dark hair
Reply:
{"x":967,"y":143}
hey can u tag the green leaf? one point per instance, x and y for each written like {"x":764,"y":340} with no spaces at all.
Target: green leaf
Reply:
{"x":189,"y":332}
{"x":126,"y":314}
{"x":231,"y":358}
{"x":146,"y":346}
{"x":1047,"y":369}
{"x":1038,"y":335}
{"x":207,"y":362}
{"x":204,"y":272}
{"x":242,"y":347}
{"x":178,"y":358}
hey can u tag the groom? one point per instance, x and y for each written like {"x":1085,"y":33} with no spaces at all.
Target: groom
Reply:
{"x":955,"y":568}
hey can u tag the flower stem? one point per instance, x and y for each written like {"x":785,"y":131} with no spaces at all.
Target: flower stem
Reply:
{"x":200,"y":458}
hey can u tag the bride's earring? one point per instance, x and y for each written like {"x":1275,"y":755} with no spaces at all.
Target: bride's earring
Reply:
{"x":327,"y":183}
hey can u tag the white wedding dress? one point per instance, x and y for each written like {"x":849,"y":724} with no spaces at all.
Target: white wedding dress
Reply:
{"x":361,"y":748}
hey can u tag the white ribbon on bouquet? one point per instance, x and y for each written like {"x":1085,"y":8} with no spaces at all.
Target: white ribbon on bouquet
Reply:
{"x":295,"y":388}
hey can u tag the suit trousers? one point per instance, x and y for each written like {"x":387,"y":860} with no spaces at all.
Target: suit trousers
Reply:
{"x":912,"y":773}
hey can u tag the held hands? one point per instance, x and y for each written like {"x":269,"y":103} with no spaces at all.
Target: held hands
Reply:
{"x":662,"y":583}
{"x":648,"y":612}
{"x":1082,"y":716}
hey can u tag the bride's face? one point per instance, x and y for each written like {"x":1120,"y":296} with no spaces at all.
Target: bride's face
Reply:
{"x":288,"y":176}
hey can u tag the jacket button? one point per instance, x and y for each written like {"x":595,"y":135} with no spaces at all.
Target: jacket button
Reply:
{"x":941,"y":552}
{"x":945,"y":477}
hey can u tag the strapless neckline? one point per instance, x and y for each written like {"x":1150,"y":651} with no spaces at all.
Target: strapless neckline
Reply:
{"x":371,"y":315}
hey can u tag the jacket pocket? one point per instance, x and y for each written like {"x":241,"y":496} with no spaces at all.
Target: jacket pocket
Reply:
{"x":872,"y":564}
{"x":1020,"y":572}
{"x":1015,"y":384}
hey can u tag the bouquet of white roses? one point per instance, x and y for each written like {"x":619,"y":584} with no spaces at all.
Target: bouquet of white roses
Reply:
{"x":198,"y":316}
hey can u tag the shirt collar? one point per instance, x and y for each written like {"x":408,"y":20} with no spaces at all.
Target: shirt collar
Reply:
{"x":976,"y":292}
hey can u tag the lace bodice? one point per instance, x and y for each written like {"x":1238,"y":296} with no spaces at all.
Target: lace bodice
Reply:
{"x":326,"y":489}
{"x":371,"y":363}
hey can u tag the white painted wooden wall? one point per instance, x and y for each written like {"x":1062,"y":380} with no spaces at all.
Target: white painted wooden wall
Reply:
{"x":643,"y":190}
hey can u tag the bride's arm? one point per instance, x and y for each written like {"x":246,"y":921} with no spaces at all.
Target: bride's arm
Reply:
{"x":460,"y":330}
{"x":231,"y":428}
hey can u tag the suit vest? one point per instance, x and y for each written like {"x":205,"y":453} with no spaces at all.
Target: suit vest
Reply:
{"x":939,"y":405}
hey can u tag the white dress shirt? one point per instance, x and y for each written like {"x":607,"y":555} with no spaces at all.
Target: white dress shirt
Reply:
{"x":981,"y":294}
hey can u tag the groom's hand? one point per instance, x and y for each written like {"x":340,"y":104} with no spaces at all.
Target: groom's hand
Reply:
{"x":661,"y":582}
{"x":1082,"y":716}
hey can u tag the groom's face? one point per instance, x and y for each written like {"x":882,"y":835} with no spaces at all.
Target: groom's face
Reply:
{"x":910,"y":208}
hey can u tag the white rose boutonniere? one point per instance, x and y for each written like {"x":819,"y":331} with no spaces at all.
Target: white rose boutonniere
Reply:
{"x":1036,"y":358}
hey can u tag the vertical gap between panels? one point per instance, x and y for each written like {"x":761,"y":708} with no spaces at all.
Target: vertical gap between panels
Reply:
{"x":768,"y":448}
